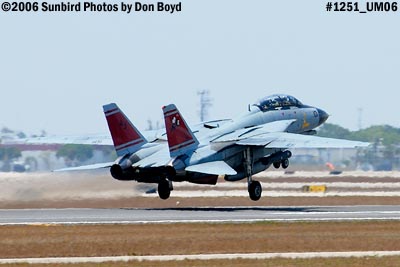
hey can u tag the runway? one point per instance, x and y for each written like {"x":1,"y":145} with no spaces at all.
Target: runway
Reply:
{"x":204,"y":214}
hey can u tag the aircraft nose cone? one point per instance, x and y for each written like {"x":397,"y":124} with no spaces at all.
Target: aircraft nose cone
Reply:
{"x":323,"y":116}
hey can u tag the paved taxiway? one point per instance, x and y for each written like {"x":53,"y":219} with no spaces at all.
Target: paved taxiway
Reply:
{"x":204,"y":214}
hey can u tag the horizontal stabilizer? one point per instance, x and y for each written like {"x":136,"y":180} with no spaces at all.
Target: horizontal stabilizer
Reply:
{"x":158,"y":159}
{"x":87,"y":167}
{"x":214,"y":167}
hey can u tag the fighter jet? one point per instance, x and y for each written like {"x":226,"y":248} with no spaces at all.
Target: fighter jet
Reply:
{"x":235,"y":149}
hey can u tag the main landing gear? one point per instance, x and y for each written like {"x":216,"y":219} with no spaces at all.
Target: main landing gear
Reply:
{"x":281,"y":159}
{"x":164,"y":189}
{"x":255,"y":190}
{"x":284,"y":163}
{"x":254,"y":187}
{"x":277,"y":159}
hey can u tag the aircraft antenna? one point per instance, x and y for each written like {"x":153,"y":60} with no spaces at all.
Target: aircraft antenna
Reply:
{"x":205,"y":104}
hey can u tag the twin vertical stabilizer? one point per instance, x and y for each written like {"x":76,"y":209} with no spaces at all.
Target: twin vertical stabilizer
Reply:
{"x":181,"y":139}
{"x":126,"y":137}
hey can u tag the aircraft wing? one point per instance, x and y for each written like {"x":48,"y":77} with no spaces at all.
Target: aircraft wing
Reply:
{"x":276,"y":126}
{"x":290,"y":140}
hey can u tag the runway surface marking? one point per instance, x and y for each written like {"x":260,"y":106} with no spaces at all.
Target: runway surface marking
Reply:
{"x":277,"y":193}
{"x":296,"y":185}
{"x":198,"y":215}
{"x":288,"y":255}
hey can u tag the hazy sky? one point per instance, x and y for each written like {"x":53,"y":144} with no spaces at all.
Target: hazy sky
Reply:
{"x":58,"y":69}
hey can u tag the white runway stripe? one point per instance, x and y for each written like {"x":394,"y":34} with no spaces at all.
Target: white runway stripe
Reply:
{"x":326,"y":174}
{"x":288,"y":185}
{"x":287,"y":255}
{"x":275,"y":193}
{"x":334,"y":184}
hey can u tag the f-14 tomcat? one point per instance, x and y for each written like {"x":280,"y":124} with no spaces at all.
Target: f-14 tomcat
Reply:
{"x":235,"y":149}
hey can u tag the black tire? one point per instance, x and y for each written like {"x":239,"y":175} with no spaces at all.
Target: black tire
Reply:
{"x":276,"y":164}
{"x":285,"y":163}
{"x":163,"y":190}
{"x":255,"y":190}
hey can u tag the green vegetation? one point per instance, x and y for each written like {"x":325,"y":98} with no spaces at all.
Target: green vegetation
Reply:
{"x":6,"y":131}
{"x":386,"y":134}
{"x":7,"y":155}
{"x":384,"y":152}
{"x":75,"y":153}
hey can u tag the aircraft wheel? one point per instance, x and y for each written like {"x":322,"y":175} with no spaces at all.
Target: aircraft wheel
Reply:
{"x":255,"y":190}
{"x":285,"y":163}
{"x":163,"y":189}
{"x":276,"y":164}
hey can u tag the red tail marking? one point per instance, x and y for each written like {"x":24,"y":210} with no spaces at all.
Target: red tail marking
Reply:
{"x":121,"y":130}
{"x":180,"y":135}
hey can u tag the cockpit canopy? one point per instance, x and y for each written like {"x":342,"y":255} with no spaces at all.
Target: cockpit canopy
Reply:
{"x":278,"y":101}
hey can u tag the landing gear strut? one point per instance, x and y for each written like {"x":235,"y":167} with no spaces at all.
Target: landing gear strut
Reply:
{"x":254,"y":187}
{"x":164,"y":189}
